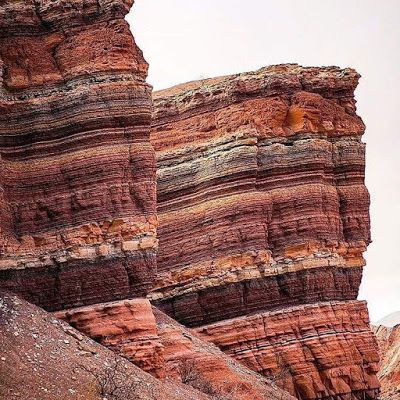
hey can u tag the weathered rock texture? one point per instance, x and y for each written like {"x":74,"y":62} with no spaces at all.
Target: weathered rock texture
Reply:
{"x":127,"y":327}
{"x":167,"y":350}
{"x":261,"y":200}
{"x":77,"y":171}
{"x":389,"y":373}
{"x":262,"y":206}
{"x":44,"y":358}
{"x":317,"y":351}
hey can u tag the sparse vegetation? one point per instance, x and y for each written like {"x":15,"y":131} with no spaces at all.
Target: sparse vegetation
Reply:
{"x":282,"y":374}
{"x":112,"y":383}
{"x":191,"y":375}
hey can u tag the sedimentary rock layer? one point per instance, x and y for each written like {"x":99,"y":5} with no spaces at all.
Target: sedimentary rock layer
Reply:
{"x":319,"y":351}
{"x":264,"y":215}
{"x":77,"y":181}
{"x":260,"y":186}
{"x":389,"y":372}
{"x":166,"y":349}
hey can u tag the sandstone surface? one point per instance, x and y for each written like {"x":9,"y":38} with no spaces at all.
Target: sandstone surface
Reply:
{"x":77,"y":183}
{"x":169,"y":351}
{"x":263,"y":209}
{"x":318,"y":351}
{"x":389,"y":373}
{"x":127,"y":327}
{"x":261,"y":195}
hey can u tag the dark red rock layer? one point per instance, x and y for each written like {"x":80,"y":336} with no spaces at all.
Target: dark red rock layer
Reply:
{"x":78,"y":208}
{"x":273,"y":292}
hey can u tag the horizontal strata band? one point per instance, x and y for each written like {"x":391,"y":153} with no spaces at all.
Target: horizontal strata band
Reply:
{"x":250,"y":296}
{"x":327,"y":347}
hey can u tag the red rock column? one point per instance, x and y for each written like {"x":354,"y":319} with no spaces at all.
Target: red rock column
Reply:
{"x":264,"y":218}
{"x":261,"y":194}
{"x":77,"y":167}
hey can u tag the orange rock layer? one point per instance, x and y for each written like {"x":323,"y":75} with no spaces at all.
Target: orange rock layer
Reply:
{"x":319,"y":351}
{"x":77,"y":183}
{"x":167,"y":350}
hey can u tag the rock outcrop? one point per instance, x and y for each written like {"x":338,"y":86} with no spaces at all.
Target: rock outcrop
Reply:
{"x":77,"y":170}
{"x":315,"y":351}
{"x":264,"y":217}
{"x":127,"y":327}
{"x":169,"y":351}
{"x":389,"y":348}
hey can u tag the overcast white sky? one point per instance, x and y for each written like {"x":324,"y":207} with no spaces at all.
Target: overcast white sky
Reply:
{"x":185,"y":40}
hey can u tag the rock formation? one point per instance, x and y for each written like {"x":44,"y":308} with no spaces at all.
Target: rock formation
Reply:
{"x":316,"y":351}
{"x":263,"y":213}
{"x":263,"y":221}
{"x":77,"y":186}
{"x":127,"y":327}
{"x":389,"y":348}
{"x":169,"y":351}
{"x":78,"y":211}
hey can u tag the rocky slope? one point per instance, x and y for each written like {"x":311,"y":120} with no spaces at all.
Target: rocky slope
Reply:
{"x":264,"y":217}
{"x":44,"y":358}
{"x":77,"y":186}
{"x":389,"y":373}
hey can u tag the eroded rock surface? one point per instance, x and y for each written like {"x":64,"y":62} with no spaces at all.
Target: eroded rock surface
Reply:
{"x":77,"y":182}
{"x":262,"y":207}
{"x":127,"y":327}
{"x":261,"y":184}
{"x":263,"y":211}
{"x":315,"y":351}
{"x":169,"y":351}
{"x":389,"y":372}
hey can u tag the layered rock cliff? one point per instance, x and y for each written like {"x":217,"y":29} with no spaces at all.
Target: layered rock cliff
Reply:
{"x":263,"y":221}
{"x":262,"y":208}
{"x":389,"y":372}
{"x":78,"y":216}
{"x":77,"y":181}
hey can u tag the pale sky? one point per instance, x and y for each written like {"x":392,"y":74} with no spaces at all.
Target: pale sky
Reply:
{"x":185,"y":40}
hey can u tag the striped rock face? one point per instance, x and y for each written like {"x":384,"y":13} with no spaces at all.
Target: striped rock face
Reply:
{"x":389,"y":350}
{"x":169,"y":351}
{"x":77,"y":170}
{"x":262,"y":208}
